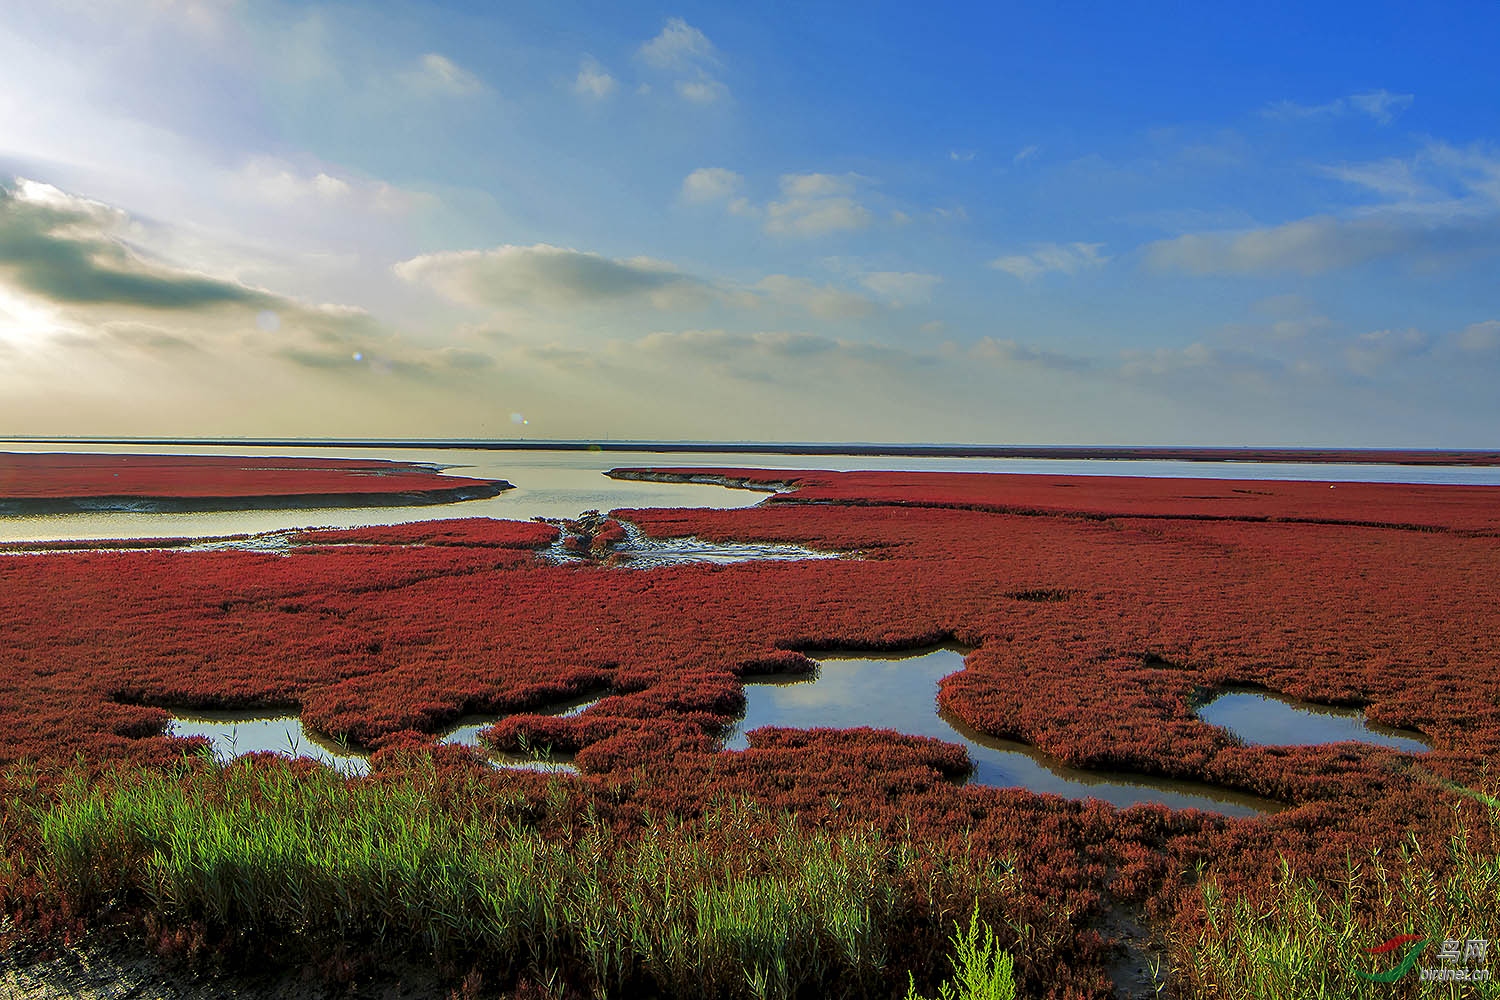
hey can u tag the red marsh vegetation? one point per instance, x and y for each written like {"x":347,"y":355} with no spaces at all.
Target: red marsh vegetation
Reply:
{"x":1102,"y":610}
{"x":35,"y":478}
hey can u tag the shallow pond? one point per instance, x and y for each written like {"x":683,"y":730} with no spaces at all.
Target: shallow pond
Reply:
{"x":466,"y":733}
{"x":899,"y":691}
{"x":234,"y":733}
{"x":1261,"y":718}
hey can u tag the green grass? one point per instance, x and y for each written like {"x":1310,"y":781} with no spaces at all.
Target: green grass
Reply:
{"x":737,"y":903}
{"x":1306,"y":939}
{"x":981,"y":970}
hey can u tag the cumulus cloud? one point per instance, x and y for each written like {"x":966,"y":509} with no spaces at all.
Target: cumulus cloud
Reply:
{"x":438,"y":75}
{"x":901,"y":288}
{"x":68,"y":250}
{"x":1380,"y":106}
{"x":703,"y":89}
{"x":556,"y":279}
{"x":593,"y":80}
{"x":678,"y":46}
{"x":1051,"y":258}
{"x":283,"y":185}
{"x":71,"y":281}
{"x":708,"y":184}
{"x":1480,"y":338}
{"x":816,"y":205}
{"x":685,"y":51}
{"x":550,"y":276}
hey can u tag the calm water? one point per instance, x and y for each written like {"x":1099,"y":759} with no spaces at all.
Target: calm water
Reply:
{"x":1263,"y":719}
{"x":235,"y":733}
{"x":565,"y":483}
{"x":899,"y":691}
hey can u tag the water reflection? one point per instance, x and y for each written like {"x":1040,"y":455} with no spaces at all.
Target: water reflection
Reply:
{"x":899,"y":691}
{"x":1262,"y":718}
{"x":466,"y":733}
{"x":235,"y":733}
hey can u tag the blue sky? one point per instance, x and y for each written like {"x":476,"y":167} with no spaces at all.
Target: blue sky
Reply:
{"x":1078,"y":223}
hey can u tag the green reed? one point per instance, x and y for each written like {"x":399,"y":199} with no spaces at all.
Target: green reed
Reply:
{"x":737,"y":903}
{"x":1311,"y":939}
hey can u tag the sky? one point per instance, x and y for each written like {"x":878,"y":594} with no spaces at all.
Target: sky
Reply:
{"x":1199,"y":224}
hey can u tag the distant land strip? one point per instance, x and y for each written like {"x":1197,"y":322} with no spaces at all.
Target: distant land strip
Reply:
{"x":55,"y":483}
{"x":1327,"y":456}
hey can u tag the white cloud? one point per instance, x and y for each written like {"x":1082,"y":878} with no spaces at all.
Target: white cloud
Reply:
{"x":678,"y":46}
{"x":1374,"y":351}
{"x":98,"y":302}
{"x":559,"y":280}
{"x":703,"y":89}
{"x":774,"y":356}
{"x":1381,"y":106}
{"x":551,"y":276}
{"x":1440,"y":205}
{"x":825,"y":301}
{"x":815,"y":205}
{"x":1480,"y":338}
{"x":961,"y":156}
{"x":1199,"y":360}
{"x":707,"y":184}
{"x":818,"y":185}
{"x":1306,"y":246}
{"x":685,"y":51}
{"x":901,"y":288}
{"x":1008,"y":352}
{"x":282,"y":185}
{"x":1051,"y":258}
{"x":593,"y":80}
{"x":1025,"y":154}
{"x":1392,"y":178}
{"x":437,"y":74}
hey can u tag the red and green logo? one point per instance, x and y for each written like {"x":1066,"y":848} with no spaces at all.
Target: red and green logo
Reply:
{"x":1408,"y":961}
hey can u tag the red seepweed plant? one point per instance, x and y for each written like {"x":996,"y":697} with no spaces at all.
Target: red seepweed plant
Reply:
{"x":1102,"y":611}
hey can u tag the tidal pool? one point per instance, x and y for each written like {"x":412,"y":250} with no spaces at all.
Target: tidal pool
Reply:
{"x":899,"y":691}
{"x":1262,"y":718}
{"x":235,"y":733}
{"x":466,"y":733}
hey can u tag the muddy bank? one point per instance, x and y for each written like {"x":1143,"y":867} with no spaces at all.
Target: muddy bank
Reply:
{"x":747,"y":482}
{"x":106,"y":966}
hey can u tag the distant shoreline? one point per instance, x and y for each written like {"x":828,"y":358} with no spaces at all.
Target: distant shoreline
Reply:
{"x":1328,"y":456}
